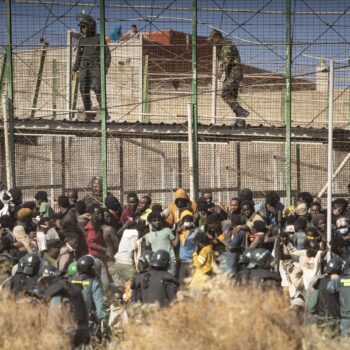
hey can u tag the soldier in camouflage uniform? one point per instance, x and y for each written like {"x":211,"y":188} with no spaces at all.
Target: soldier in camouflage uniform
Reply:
{"x":230,"y":64}
{"x":87,"y":63}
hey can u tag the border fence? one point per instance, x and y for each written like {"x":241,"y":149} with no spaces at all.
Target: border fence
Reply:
{"x":160,"y":83}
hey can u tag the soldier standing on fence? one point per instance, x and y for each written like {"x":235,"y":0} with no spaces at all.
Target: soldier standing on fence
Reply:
{"x":87,"y":63}
{"x":229,"y":63}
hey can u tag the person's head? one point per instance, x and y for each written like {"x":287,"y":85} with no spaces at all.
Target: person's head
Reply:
{"x":48,"y":275}
{"x":315,"y":208}
{"x":144,"y":260}
{"x":306,"y":198}
{"x":339,"y":206}
{"x":301,"y":210}
{"x":96,"y":185}
{"x":259,"y":227}
{"x":72,"y":197}
{"x":132,"y":200}
{"x":86,"y":265}
{"x":186,"y":219}
{"x":87,"y":24}
{"x":236,"y":220}
{"x":80,"y":207}
{"x":342,"y":226}
{"x":234,"y":206}
{"x":181,"y":199}
{"x":272,"y":198}
{"x":202,"y":208}
{"x":246,"y":195}
{"x":156,"y":220}
{"x":213,"y":224}
{"x":41,"y":197}
{"x":113,"y":205}
{"x":338,"y":245}
{"x":72,"y":240}
{"x":201,"y":239}
{"x":215,"y":37}
{"x":262,"y":257}
{"x":17,"y":196}
{"x":96,"y":213}
{"x":5,"y":223}
{"x":312,"y":234}
{"x":133,"y":28}
{"x":44,"y":224}
{"x":63,"y":203}
{"x":5,"y":243}
{"x":300,"y":224}
{"x":53,"y":248}
{"x":160,"y":260}
{"x":144,"y":203}
{"x":334,"y":266}
{"x":208,"y":197}
{"x":285,"y":236}
{"x":247,"y":208}
{"x":24,"y":216}
{"x":312,"y":247}
{"x":108,"y":218}
{"x":320,"y":222}
{"x":31,"y":264}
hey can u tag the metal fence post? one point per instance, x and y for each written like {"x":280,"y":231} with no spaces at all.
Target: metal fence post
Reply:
{"x":330,"y":154}
{"x":288,"y":103}
{"x":9,"y":100}
{"x":103,"y":101}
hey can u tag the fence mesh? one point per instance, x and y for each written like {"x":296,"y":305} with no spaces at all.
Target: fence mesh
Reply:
{"x":149,"y":81}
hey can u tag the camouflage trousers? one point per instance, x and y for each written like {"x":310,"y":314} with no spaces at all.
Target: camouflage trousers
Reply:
{"x":230,"y":88}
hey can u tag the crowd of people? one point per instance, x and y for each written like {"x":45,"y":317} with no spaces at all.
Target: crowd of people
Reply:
{"x":97,"y":254}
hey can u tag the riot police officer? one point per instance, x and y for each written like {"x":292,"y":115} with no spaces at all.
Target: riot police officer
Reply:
{"x":143,"y":267}
{"x":87,"y":63}
{"x":259,"y":270}
{"x":57,"y":291}
{"x":323,"y":304}
{"x":25,"y":279}
{"x":91,"y":289}
{"x":340,"y":284}
{"x":158,"y":285}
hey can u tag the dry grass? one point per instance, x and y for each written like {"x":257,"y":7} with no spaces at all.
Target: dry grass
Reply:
{"x":31,"y":326}
{"x":227,"y":318}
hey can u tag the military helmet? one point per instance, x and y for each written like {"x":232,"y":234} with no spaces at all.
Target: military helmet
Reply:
{"x":86,"y":20}
{"x":31,"y":264}
{"x":335,"y":265}
{"x":72,"y":268}
{"x":86,"y":264}
{"x":160,"y":259}
{"x":260,"y":257}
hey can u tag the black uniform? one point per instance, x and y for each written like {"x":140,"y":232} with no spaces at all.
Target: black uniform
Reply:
{"x":62,"y":290}
{"x":261,"y":275}
{"x":21,"y":283}
{"x":136,"y":287}
{"x":324,"y":305}
{"x":157,"y":286}
{"x":87,"y":62}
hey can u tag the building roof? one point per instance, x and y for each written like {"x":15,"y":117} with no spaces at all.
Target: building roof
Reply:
{"x":169,"y":53}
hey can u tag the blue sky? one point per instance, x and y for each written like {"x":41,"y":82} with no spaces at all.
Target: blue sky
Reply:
{"x":259,"y":37}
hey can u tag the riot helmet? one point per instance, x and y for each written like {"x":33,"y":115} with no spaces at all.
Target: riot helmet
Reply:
{"x":334,"y":266}
{"x":260,"y":257}
{"x":31,"y":264}
{"x":72,"y":269}
{"x":86,"y":265}
{"x":86,"y":20}
{"x":145,"y":259}
{"x":160,"y":260}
